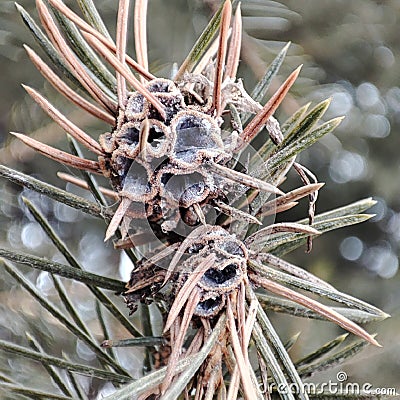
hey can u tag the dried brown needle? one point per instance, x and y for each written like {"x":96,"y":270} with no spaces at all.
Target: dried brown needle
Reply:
{"x":221,"y":55}
{"x":59,"y":155}
{"x":258,"y":122}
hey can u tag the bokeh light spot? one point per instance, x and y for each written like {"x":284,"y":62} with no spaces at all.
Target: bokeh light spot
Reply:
{"x":347,"y":166}
{"x":351,"y":248}
{"x":376,"y":126}
{"x":367,"y":95}
{"x":32,"y":235}
{"x":384,"y":56}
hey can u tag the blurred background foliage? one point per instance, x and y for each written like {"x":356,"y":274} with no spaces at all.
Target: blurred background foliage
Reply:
{"x":350,"y":51}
